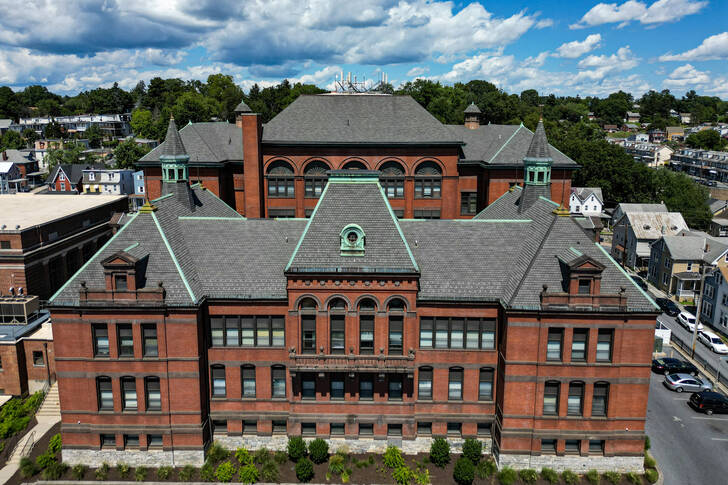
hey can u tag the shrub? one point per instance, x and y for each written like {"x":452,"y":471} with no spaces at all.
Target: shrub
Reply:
{"x":280,"y":457}
{"x":633,"y":478}
{"x":422,"y":476}
{"x":216,"y":453}
{"x":243,"y":457}
{"x":651,"y":475}
{"x":248,"y":473}
{"x":569,"y":477}
{"x":45,"y":460}
{"x":140,"y":473}
{"x":225,"y":472}
{"x":403,"y":475}
{"x":123,"y":469}
{"x":304,"y":469}
{"x":473,"y":450}
{"x":612,"y":477}
{"x":207,"y":472}
{"x":592,"y":476}
{"x":163,"y":472}
{"x":78,"y":471}
{"x":296,"y":448}
{"x":261,"y":455}
{"x":392,"y":458}
{"x":187,"y":473}
{"x":507,"y":476}
{"x":318,"y":450}
{"x":336,"y":466}
{"x":464,"y":471}
{"x":550,"y":475}
{"x":528,"y":475}
{"x":440,"y":452}
{"x":647,"y":443}
{"x":28,"y":467}
{"x":54,"y":471}
{"x":649,"y":461}
{"x":54,"y":445}
{"x":269,"y":471}
{"x":102,"y":472}
{"x":485,"y":469}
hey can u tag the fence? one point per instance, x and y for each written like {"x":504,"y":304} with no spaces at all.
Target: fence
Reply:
{"x":708,"y":368}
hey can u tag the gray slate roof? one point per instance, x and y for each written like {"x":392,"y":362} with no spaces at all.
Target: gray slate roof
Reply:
{"x":539,"y":147}
{"x":243,"y":108}
{"x":172,"y":145}
{"x":74,"y":172}
{"x":691,"y":247}
{"x":17,"y":157}
{"x":209,"y":142}
{"x":717,"y":205}
{"x":584,"y":193}
{"x":356,"y":119}
{"x":472,"y":108}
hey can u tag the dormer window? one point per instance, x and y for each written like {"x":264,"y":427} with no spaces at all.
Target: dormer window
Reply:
{"x":352,"y":240}
{"x":120,"y":281}
{"x":585,"y":286}
{"x":120,"y":270}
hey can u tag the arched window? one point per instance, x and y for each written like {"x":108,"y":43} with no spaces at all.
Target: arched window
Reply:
{"x":367,"y":308}
{"x":337,"y":304}
{"x":428,"y":179}
{"x":367,"y":305}
{"x":337,"y":326}
{"x":392,"y":179}
{"x":308,"y":308}
{"x":396,"y":305}
{"x":280,"y":180}
{"x":308,"y":304}
{"x":315,"y":178}
{"x":354,"y":165}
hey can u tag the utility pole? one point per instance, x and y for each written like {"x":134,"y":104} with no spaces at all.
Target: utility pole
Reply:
{"x":698,"y":310}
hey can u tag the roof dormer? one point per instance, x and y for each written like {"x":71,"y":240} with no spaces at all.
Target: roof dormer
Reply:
{"x":120,"y":272}
{"x":352,"y":240}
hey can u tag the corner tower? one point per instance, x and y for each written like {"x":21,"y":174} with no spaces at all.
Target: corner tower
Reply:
{"x":174,"y":158}
{"x":536,"y":169}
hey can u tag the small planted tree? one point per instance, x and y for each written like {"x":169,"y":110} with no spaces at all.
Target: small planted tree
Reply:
{"x":318,"y":451}
{"x":464,"y":471}
{"x":304,"y":470}
{"x":225,"y":472}
{"x":296,"y":448}
{"x":248,"y":473}
{"x":440,"y":452}
{"x":392,"y":458}
{"x":473,"y":450}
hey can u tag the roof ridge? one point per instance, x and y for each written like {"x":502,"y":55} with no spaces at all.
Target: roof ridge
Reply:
{"x":507,"y":142}
{"x":399,"y":228}
{"x":305,"y":230}
{"x":174,"y":258}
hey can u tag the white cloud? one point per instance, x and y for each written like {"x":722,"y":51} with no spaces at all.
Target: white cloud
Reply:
{"x":686,"y":76}
{"x":572,"y":50}
{"x":712,"y":48}
{"x":417,"y":71}
{"x":661,"y":11}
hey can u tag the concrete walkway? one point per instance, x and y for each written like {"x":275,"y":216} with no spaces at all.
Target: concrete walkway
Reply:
{"x":47,"y":416}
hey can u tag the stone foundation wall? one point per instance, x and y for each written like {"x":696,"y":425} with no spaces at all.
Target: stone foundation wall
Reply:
{"x":575,"y":463}
{"x":151,"y":458}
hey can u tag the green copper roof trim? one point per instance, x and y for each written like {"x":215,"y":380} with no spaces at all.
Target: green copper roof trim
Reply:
{"x":548,"y":200}
{"x":174,"y":258}
{"x":399,"y":229}
{"x":494,"y":220}
{"x":291,"y":218}
{"x":644,"y":293}
{"x":92,"y":258}
{"x":202,"y":187}
{"x":576,"y":251}
{"x":210,"y":218}
{"x":165,"y":196}
{"x":131,"y":247}
{"x":506,"y":143}
{"x":308,"y":224}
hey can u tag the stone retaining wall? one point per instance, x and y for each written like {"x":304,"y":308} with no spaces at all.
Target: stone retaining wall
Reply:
{"x":575,"y":463}
{"x":151,"y":458}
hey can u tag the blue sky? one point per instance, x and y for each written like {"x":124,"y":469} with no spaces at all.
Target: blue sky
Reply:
{"x":557,"y":46}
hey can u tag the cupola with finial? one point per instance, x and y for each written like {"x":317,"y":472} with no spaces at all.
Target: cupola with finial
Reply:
{"x":537,"y":162}
{"x":174,"y":157}
{"x":472,"y":117}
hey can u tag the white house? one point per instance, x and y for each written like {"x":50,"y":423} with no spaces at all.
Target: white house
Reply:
{"x":108,"y":181}
{"x":9,"y":177}
{"x":587,"y":201}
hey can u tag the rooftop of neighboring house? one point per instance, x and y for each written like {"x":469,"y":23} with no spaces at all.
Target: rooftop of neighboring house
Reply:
{"x":630,"y":207}
{"x":653,"y":225}
{"x":74,"y":172}
{"x":583,"y":193}
{"x":15,"y":156}
{"x":694,"y":246}
{"x":717,"y":205}
{"x":6,"y":166}
{"x":5,"y":123}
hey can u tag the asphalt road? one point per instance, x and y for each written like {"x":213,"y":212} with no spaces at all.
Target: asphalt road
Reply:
{"x":690,"y":447}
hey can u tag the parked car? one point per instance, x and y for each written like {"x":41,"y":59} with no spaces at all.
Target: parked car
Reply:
{"x":687,"y":320}
{"x":668,"y":306}
{"x":686,"y":382}
{"x":713,"y":342}
{"x":709,"y":402}
{"x":668,"y":365}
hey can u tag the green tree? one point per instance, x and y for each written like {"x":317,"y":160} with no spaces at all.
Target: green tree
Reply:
{"x":71,"y":153}
{"x":9,"y":103}
{"x":530,"y":97}
{"x":128,"y":153}
{"x":222,"y":89}
{"x":707,"y":140}
{"x":30,"y":136}
{"x":11,"y":140}
{"x":53,"y":130}
{"x":94,"y":136}
{"x":681,"y":194}
{"x":194,"y":107}
{"x":142,"y":123}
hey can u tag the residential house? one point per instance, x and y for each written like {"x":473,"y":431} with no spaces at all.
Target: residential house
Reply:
{"x":674,"y":133}
{"x":68,"y":178}
{"x":111,"y":125}
{"x":717,"y":206}
{"x":714,"y":301}
{"x":140,"y":194}
{"x":587,"y":201}
{"x":636,"y":231}
{"x":5,"y":125}
{"x":591,"y":116}
{"x":624,"y":208}
{"x":707,"y":164}
{"x":631,"y":127}
{"x":30,"y":175}
{"x":719,"y":227}
{"x":611,"y":128}
{"x":686,"y":118}
{"x":652,"y":154}
{"x":639,"y":138}
{"x":632,"y":117}
{"x":108,"y":181}
{"x":9,"y":178}
{"x":656,"y":136}
{"x":676,"y":262}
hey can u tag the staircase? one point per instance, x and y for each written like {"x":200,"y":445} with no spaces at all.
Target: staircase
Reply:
{"x":48,"y":414}
{"x":51,"y":406}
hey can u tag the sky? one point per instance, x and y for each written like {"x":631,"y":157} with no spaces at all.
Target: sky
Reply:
{"x":557,"y":46}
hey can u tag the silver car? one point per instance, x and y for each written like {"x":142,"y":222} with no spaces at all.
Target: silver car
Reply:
{"x":686,"y":382}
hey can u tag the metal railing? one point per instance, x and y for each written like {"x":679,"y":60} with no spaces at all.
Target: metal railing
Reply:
{"x":708,"y":368}
{"x":27,"y":446}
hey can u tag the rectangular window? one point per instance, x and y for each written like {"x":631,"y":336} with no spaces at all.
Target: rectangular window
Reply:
{"x":366,"y":388}
{"x":487,"y":334}
{"x":278,"y":331}
{"x":596,"y":447}
{"x":454,"y":429}
{"x":584,"y":287}
{"x":308,"y":429}
{"x":149,"y":336}
{"x":247,"y":331}
{"x":281,"y":213}
{"x":250,"y":427}
{"x":426,"y":327}
{"x":395,"y":387}
{"x":308,"y":334}
{"x":600,"y":399}
{"x":427,"y":213}
{"x":424,"y":384}
{"x":248,"y":381}
{"x":308,"y":387}
{"x":219,"y":427}
{"x":456,"y":333}
{"x":218,"y":382}
{"x":131,"y":441}
{"x":232,"y":334}
{"x":424,"y":428}
{"x":441,"y":333}
{"x":120,"y":282}
{"x":572,"y":446}
{"x":553,"y":346}
{"x":579,"y":344}
{"x":604,"y":345}
{"x":128,"y":394}
{"x":548,"y":446}
{"x":153,"y":394}
{"x":395,"y":335}
{"x":278,"y":386}
{"x":338,"y":337}
{"x":394,"y":430}
{"x":576,"y":397}
{"x":468,"y":203}
{"x":337,"y":429}
{"x":366,"y":429}
{"x":393,"y":187}
{"x":216,"y":332}
{"x":551,"y":399}
{"x":154,"y":440}
{"x":314,"y":185}
{"x":337,"y":388}
{"x":126,"y":340}
{"x":279,"y":427}
{"x":455,"y":385}
{"x":101,"y":340}
{"x":485,"y":385}
{"x":38,"y":360}
{"x":484,"y":429}
{"x":426,"y":188}
{"x":108,"y":441}
{"x":281,"y":187}
{"x":262,"y":332}
{"x":105,"y":394}
{"x":366,"y":334}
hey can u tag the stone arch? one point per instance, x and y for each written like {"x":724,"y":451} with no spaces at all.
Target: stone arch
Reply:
{"x":300,"y":299}
{"x":392,"y":163}
{"x":329,"y":300}
{"x":392,"y":298}
{"x":358,"y":301}
{"x":354,"y":164}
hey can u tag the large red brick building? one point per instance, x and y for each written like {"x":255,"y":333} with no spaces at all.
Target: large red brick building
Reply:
{"x":428,"y":170}
{"x":194,"y":323}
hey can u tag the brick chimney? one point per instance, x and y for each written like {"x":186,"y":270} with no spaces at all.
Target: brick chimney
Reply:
{"x":5,"y":155}
{"x":252,"y":131}
{"x":472,"y":117}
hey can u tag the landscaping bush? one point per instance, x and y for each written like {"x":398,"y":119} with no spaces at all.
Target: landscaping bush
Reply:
{"x":163,"y":472}
{"x":473,"y":450}
{"x":336,"y":466}
{"x":17,"y":413}
{"x":102,"y":472}
{"x":54,"y":471}
{"x":422,"y":476}
{"x":187,"y":473}
{"x":261,"y":455}
{"x":485,"y":469}
{"x":216,"y":453}
{"x":550,"y":475}
{"x":592,"y":476}
{"x":403,"y":475}
{"x":54,"y":445}
{"x":304,"y":468}
{"x":392,"y":458}
{"x":318,"y":451}
{"x":529,"y":475}
{"x":296,"y":448}
{"x":207,"y":472}
{"x":647,"y":443}
{"x":28,"y":468}
{"x":440,"y":452}
{"x":651,"y":475}
{"x":269,"y":471}
{"x":464,"y":471}
{"x":140,"y":473}
{"x":78,"y":471}
{"x":649,"y":461}
{"x":248,"y":474}
{"x":225,"y":472}
{"x":612,"y":477}
{"x":507,"y":476}
{"x":243,"y":457}
{"x":633,"y":478}
{"x":569,"y":477}
{"x":280,"y":457}
{"x":123,"y":469}
{"x":45,"y":460}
